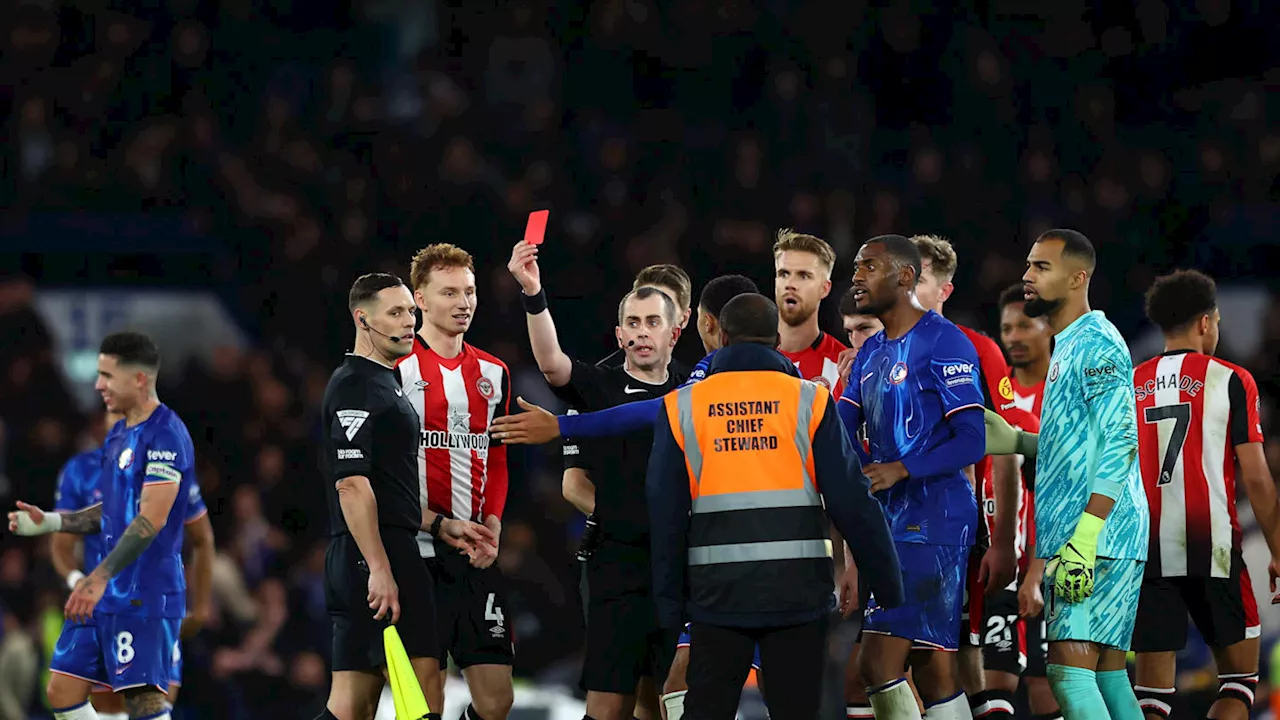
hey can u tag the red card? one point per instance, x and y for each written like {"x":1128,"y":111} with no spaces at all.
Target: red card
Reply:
{"x":537,"y":227}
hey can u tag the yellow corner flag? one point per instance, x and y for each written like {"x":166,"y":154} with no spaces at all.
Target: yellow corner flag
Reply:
{"x":411,"y":704}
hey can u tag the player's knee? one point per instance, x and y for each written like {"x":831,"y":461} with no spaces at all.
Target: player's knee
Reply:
{"x":676,"y":681}
{"x":855,"y":685}
{"x":63,"y":693}
{"x":493,"y":706}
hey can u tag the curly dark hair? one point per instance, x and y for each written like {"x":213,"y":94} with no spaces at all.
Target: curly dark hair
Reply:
{"x":1176,"y":300}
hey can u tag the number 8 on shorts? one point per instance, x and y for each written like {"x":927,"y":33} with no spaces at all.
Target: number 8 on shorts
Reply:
{"x":138,"y":651}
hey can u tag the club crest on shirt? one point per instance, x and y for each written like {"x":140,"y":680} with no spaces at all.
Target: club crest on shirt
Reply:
{"x":485,"y":387}
{"x":821,"y":380}
{"x":1053,"y":373}
{"x":126,"y":458}
{"x":898,"y":373}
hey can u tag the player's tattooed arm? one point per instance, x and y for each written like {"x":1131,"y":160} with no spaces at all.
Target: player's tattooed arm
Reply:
{"x":135,"y":540}
{"x":83,"y":522}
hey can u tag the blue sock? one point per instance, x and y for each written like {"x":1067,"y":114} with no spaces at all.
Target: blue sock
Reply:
{"x":1077,"y":692}
{"x":1117,"y":693}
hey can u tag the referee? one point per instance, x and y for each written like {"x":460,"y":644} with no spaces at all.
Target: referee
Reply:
{"x":373,"y":574}
{"x":624,"y":643}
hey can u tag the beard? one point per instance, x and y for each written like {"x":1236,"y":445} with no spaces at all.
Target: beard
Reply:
{"x":1041,"y":307}
{"x":797,"y":315}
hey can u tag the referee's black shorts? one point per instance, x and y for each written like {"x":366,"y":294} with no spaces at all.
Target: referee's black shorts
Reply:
{"x":357,"y":637}
{"x":624,"y":642}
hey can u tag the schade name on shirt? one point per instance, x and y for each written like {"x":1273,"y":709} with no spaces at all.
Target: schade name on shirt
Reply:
{"x":1172,"y":381}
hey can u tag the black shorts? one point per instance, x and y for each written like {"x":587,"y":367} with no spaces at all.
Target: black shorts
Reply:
{"x":1037,"y":633}
{"x":357,"y":637}
{"x":1003,"y":634}
{"x":1223,"y":609}
{"x":471,"y":613}
{"x":624,"y":642}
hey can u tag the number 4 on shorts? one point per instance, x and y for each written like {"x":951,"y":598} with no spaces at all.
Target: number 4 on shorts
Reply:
{"x":491,"y":610}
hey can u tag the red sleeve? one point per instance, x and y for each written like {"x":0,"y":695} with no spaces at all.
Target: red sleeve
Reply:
{"x":997,"y":388}
{"x":495,"y":489}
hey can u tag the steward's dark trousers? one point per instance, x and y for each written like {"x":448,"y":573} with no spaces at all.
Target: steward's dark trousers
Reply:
{"x":791,"y":661}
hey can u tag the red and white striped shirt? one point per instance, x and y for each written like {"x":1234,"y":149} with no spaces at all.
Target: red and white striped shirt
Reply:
{"x":462,"y":477}
{"x":819,"y":362}
{"x":1193,"y":411}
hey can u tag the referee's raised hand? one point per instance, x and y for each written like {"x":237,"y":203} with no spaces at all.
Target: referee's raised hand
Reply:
{"x":524,"y":266}
{"x":384,"y":594}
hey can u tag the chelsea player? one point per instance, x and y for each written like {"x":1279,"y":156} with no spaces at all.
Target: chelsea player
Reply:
{"x":1091,"y":512}
{"x":137,"y":590}
{"x":915,"y":384}
{"x":79,"y":488}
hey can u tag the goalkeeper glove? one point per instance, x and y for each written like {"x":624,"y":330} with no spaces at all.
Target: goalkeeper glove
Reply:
{"x":1073,"y":565}
{"x":1005,"y":439}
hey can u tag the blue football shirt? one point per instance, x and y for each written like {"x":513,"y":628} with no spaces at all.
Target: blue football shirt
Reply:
{"x":157,"y":450}
{"x":906,"y":389}
{"x":79,"y":489}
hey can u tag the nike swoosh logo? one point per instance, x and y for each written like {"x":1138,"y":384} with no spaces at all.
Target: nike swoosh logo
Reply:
{"x":864,"y":377}
{"x":398,"y":393}
{"x":630,"y":390}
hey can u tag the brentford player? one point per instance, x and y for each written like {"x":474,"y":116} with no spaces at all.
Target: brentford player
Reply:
{"x":802,"y":267}
{"x":1027,"y":342}
{"x":457,"y":389}
{"x":1198,"y":417}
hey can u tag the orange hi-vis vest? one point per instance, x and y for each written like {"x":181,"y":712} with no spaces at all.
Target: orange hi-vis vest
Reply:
{"x":758,"y":537}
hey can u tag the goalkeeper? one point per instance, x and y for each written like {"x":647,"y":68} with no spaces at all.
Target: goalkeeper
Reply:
{"x":1091,"y":511}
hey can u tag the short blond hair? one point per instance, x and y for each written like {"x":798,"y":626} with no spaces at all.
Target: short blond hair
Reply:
{"x":789,"y":239}
{"x":667,"y":275}
{"x":941,"y":256}
{"x":440,"y":256}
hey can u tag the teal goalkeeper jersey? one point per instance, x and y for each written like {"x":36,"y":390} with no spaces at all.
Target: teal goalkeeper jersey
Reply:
{"x":1089,"y":442}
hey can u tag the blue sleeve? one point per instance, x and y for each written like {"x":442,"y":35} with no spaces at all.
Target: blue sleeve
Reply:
{"x":195,"y":503}
{"x":966,"y":445}
{"x":70,"y":496}
{"x":856,"y":514}
{"x":611,"y":422}
{"x":955,"y":371}
{"x":1108,"y":395}
{"x":667,"y":493}
{"x":168,"y":456}
{"x":849,"y":408}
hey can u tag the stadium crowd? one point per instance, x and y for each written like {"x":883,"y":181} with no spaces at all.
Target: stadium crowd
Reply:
{"x":329,"y":138}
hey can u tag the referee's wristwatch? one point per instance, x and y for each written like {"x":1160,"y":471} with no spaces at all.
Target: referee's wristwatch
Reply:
{"x":435,"y":525}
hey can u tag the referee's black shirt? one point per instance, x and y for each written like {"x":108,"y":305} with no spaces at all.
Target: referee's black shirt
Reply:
{"x":617,"y":465}
{"x":373,"y":431}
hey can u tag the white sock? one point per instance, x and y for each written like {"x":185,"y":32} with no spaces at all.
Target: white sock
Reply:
{"x":894,"y":701}
{"x":83,"y":711}
{"x":954,"y":708}
{"x":674,"y":703}
{"x":113,"y":716}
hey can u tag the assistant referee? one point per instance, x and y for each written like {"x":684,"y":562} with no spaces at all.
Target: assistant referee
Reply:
{"x":743,"y":464}
{"x":373,"y":574}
